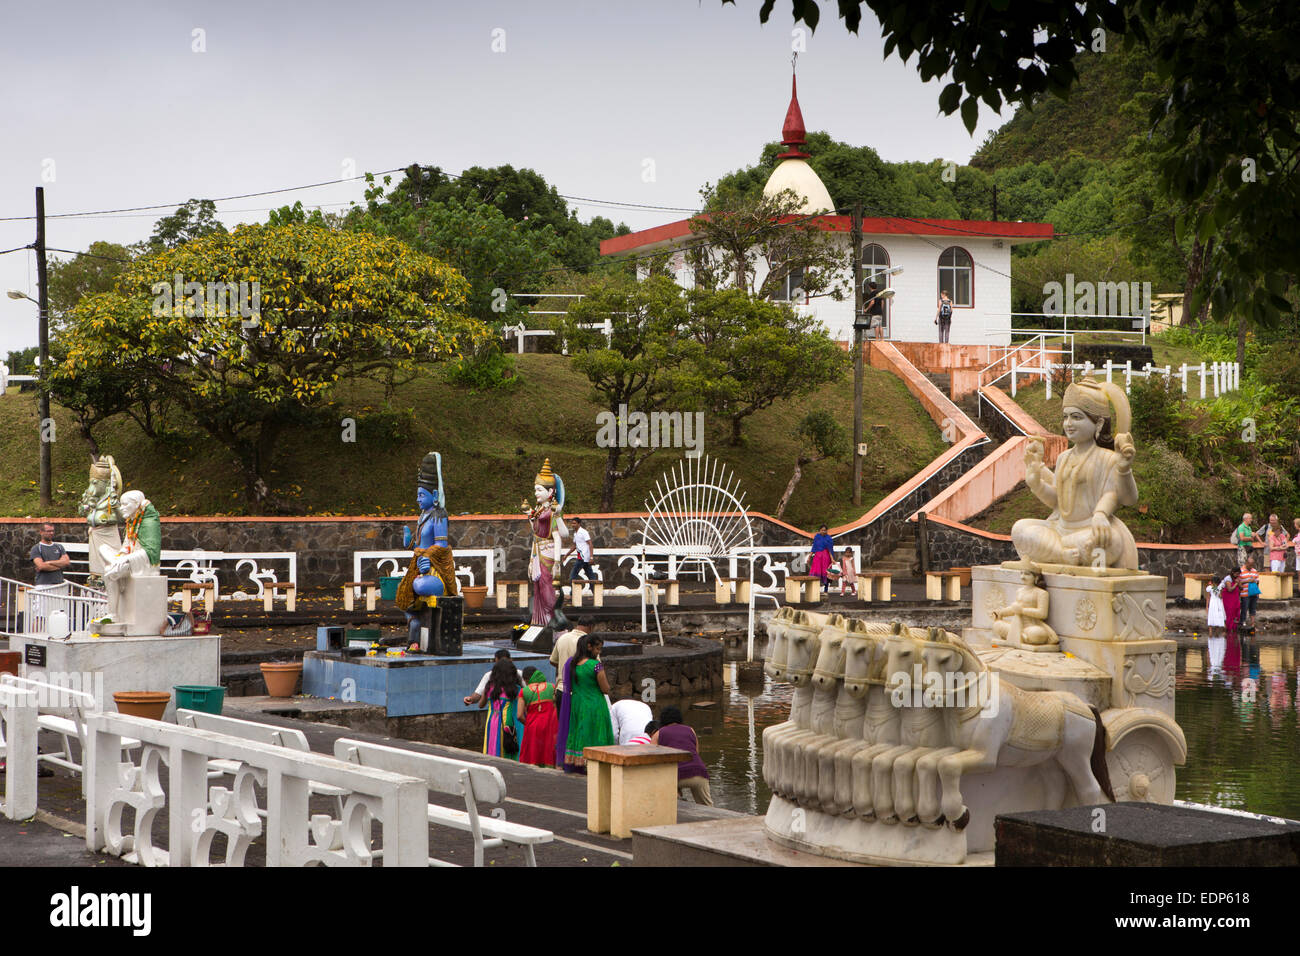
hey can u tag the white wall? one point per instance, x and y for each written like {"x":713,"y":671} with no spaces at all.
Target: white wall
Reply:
{"x":916,"y":301}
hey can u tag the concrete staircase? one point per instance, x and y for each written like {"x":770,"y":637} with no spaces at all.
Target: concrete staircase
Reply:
{"x":941,"y":380}
{"x":898,"y":562}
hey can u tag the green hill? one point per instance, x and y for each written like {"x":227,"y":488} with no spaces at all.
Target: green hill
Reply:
{"x":492,"y":445}
{"x":1095,"y":122}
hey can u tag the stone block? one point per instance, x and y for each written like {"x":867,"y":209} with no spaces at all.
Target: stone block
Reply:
{"x":144,"y":605}
{"x":1144,"y":834}
{"x":1142,"y":671}
{"x":1116,"y":607}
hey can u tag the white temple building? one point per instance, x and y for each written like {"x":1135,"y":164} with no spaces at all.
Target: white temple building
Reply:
{"x":970,"y":259}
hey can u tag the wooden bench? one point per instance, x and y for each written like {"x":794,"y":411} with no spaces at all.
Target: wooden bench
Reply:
{"x":723,"y":588}
{"x":472,"y":782}
{"x":349,"y":594}
{"x":631,"y":786}
{"x":576,"y":590}
{"x":503,"y":586}
{"x":799,"y":587}
{"x":287,"y":737}
{"x":943,"y":585}
{"x":269,"y":592}
{"x":879,"y":582}
{"x":209,"y":589}
{"x":1194,"y":585}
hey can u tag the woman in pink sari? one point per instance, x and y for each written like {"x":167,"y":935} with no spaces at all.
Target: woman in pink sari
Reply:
{"x":823,"y":555}
{"x":544,"y":564}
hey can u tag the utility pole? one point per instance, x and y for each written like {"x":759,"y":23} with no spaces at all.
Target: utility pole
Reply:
{"x":43,"y":297}
{"x":995,"y":202}
{"x":858,"y":315}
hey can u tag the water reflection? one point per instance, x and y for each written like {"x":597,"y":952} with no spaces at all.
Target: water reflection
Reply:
{"x":1236,"y":702}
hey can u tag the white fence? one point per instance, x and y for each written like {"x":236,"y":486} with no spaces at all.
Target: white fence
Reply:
{"x":196,"y":813}
{"x":243,"y":574}
{"x":469,"y":561}
{"x":1216,"y":378}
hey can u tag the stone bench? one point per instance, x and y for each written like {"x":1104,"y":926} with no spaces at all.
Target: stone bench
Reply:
{"x":576,"y":590}
{"x":943,"y":585}
{"x":881,"y":582}
{"x":503,"y":586}
{"x":1276,"y":585}
{"x":723,"y":588}
{"x":801,"y":587}
{"x":271,"y":589}
{"x":1194,"y":585}
{"x":349,"y":594}
{"x":209,"y":589}
{"x":631,"y":786}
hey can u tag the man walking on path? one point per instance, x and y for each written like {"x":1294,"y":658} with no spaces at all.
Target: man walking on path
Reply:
{"x":581,"y":545}
{"x":49,"y":558}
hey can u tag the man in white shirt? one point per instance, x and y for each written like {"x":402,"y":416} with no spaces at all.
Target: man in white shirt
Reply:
{"x":629,"y":716}
{"x":566,"y":645}
{"x":582,"y":545}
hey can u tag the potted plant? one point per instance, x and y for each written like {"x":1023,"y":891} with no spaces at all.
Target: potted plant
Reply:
{"x":474,"y":594}
{"x":281,"y":677}
{"x":142,"y":703}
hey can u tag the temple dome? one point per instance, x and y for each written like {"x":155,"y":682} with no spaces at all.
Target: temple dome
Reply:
{"x":793,"y":171}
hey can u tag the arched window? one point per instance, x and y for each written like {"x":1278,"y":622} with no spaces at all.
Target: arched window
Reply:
{"x":874,"y":261}
{"x":956,"y":276}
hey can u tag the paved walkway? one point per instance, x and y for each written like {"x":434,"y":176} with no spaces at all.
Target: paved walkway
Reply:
{"x":535,"y":796}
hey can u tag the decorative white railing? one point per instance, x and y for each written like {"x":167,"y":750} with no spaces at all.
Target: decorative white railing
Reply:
{"x":394,"y":563}
{"x":196,"y":813}
{"x":25,"y":609}
{"x":18,"y":738}
{"x":237,"y":572}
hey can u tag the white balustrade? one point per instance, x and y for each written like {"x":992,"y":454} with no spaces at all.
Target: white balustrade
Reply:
{"x":394,"y":563}
{"x":197,"y":812}
{"x":1216,"y":378}
{"x":18,"y":710}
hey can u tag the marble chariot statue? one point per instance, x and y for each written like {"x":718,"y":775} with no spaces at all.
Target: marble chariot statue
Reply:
{"x":904,"y":743}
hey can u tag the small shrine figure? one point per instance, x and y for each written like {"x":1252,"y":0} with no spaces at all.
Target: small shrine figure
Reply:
{"x":1024,"y":620}
{"x":137,"y":557}
{"x":101,"y":506}
{"x":431,"y":572}
{"x":544,"y":564}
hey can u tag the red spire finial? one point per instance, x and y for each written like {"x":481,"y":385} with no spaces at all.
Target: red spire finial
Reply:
{"x":793,"y":132}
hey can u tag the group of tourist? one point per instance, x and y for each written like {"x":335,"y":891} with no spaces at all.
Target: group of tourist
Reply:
{"x":1234,"y":601}
{"x":549,"y":725}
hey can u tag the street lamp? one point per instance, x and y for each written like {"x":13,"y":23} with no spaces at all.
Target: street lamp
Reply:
{"x":860,"y":326}
{"x":44,"y":398}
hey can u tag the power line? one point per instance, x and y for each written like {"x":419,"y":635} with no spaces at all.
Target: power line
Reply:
{"x":14,"y":249}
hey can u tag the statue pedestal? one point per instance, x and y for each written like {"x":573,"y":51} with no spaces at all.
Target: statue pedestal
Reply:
{"x":143,"y":606}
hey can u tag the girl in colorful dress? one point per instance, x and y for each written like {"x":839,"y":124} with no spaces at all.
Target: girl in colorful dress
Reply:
{"x":584,"y":713}
{"x":537,"y":704}
{"x":504,"y":728}
{"x":1214,"y":608}
{"x":1230,"y":594}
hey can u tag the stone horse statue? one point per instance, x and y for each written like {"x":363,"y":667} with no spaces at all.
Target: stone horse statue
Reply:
{"x":1010,"y":727}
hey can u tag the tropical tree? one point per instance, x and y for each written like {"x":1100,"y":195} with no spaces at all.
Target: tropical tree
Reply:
{"x":638,"y":367}
{"x":755,"y":353}
{"x":820,"y":437}
{"x":86,"y":273}
{"x":193,"y":220}
{"x":269,"y":321}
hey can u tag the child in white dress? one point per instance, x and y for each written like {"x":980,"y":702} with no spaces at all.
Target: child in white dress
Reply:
{"x":1214,"y":615}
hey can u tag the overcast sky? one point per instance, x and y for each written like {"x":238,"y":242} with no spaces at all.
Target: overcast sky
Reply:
{"x":642,"y":101}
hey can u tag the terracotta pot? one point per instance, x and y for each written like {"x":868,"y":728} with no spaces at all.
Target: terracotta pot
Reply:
{"x":9,"y":661}
{"x":474,"y":595}
{"x":142,"y":703}
{"x":281,"y":679}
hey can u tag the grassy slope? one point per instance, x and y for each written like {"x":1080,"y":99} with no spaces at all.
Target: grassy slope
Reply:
{"x":492,"y":446}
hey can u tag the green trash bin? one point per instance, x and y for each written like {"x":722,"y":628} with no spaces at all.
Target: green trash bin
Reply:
{"x":200,"y":697}
{"x":388,"y":588}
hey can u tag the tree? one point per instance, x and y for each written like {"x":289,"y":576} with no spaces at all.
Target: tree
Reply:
{"x":637,"y":368}
{"x":820,"y":437}
{"x":23,"y":361}
{"x":755,"y":353}
{"x":87,"y":273}
{"x":195,"y":219}
{"x":314,"y":308}
{"x":756,"y":243}
{"x":1228,"y":144}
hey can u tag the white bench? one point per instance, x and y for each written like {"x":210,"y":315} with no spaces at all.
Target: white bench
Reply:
{"x":74,"y":702}
{"x":287,"y":737}
{"x":470,"y":781}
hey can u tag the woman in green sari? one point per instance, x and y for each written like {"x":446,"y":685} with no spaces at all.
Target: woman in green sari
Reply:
{"x":584,"y":717}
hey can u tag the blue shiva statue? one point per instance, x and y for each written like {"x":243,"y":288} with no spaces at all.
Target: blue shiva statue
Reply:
{"x":431,"y":573}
